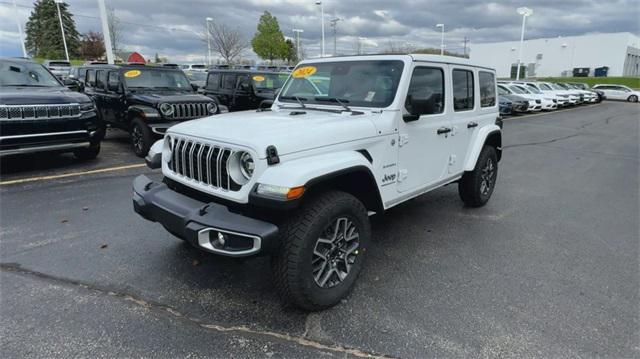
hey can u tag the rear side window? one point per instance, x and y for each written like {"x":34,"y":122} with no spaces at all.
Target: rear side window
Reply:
{"x":91,"y":78}
{"x":463,"y":96}
{"x":101,"y":79}
{"x":213,"y":82}
{"x":229,"y":82}
{"x":487,"y":89}
{"x":427,"y":86}
{"x":113,"y":79}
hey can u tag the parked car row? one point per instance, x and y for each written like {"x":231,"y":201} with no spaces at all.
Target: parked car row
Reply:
{"x":531,"y":96}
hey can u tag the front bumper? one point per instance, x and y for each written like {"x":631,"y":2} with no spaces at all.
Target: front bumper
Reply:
{"x":208,"y":226}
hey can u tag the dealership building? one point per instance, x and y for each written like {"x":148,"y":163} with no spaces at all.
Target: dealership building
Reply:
{"x":554,"y":57}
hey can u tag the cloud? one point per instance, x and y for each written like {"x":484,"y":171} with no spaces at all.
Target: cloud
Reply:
{"x":172,"y":28}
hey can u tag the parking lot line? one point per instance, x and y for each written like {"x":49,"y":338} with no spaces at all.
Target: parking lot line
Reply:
{"x":73,"y":174}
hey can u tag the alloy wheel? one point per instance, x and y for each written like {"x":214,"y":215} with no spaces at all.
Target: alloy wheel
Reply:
{"x":487,"y":177}
{"x":335,"y":252}
{"x":136,"y":138}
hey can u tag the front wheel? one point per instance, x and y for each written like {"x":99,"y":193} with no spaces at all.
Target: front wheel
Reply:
{"x":633,"y":98}
{"x":141,"y":137}
{"x":475,"y":187}
{"x":322,"y":251}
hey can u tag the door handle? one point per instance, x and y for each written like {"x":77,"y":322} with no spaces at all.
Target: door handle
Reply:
{"x":472,"y":125}
{"x":443,"y":130}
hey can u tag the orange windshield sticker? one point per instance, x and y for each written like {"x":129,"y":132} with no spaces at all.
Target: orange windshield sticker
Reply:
{"x":305,"y":71}
{"x":132,"y":73}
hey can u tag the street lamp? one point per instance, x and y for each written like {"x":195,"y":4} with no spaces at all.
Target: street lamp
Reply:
{"x":524,"y":11}
{"x":442,"y":40}
{"x":64,"y":41}
{"x":208,"y":21}
{"x":334,"y":24}
{"x":322,"y":22}
{"x":298,"y":32}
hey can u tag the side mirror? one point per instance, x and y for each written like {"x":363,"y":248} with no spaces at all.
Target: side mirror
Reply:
{"x":194,"y":87}
{"x":265,"y":105}
{"x":418,"y":107}
{"x":245,"y":86}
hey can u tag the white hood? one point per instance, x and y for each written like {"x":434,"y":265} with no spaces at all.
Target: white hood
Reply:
{"x":289,"y":133}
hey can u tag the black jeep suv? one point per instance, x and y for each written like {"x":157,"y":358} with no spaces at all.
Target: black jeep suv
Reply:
{"x":241,"y":90}
{"x":145,"y":100}
{"x":37,"y":113}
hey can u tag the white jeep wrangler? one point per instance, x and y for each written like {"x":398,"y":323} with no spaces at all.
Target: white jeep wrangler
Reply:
{"x":346,"y":138}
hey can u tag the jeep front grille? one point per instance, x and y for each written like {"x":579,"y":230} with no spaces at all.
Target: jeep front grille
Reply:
{"x":38,"y":112}
{"x":204,"y":163}
{"x":189,"y":111}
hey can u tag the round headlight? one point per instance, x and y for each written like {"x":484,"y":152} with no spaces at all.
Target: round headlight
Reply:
{"x":212,"y":108}
{"x":240,"y":167}
{"x":246,"y":165}
{"x":166,"y":109}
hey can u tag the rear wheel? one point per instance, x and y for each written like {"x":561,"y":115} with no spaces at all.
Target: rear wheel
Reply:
{"x":475,"y":187}
{"x":141,"y":137}
{"x":633,"y":98}
{"x":322,"y":251}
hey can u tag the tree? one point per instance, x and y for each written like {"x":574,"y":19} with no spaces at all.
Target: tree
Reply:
{"x":115,"y":30}
{"x":44,"y":38}
{"x":91,"y":46}
{"x":292,"y":53}
{"x":268,"y":42}
{"x":226,"y":41}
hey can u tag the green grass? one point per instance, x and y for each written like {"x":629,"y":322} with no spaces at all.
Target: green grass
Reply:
{"x":633,"y":82}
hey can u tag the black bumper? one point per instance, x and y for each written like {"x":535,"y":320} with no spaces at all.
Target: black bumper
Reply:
{"x":208,"y":226}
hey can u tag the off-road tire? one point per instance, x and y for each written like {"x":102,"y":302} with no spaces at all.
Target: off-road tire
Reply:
{"x":141,"y":137}
{"x":470,"y":187}
{"x":633,"y":98}
{"x":87,"y":153}
{"x":292,"y":261}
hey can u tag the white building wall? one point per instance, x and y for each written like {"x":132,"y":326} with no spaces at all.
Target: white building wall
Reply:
{"x":559,"y":54}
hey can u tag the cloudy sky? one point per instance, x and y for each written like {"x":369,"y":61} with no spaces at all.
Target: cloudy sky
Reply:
{"x":172,"y":28}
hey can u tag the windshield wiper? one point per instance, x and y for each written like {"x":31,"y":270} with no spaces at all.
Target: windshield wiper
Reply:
{"x":341,"y":102}
{"x":298,"y":99}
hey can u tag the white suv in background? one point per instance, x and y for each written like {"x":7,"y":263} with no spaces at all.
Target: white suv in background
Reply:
{"x":574,"y":96}
{"x":561,"y":99}
{"x":548,"y":101}
{"x":618,"y":92}
{"x":534,"y":104}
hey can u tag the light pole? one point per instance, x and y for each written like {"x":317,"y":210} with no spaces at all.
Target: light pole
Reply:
{"x":298,"y":32}
{"x":524,"y":11}
{"x":106,"y":32}
{"x":334,"y":25}
{"x":442,"y":39}
{"x":322,"y":23}
{"x":361,"y":44}
{"x":64,"y":41}
{"x":24,"y":49}
{"x":208,"y":21}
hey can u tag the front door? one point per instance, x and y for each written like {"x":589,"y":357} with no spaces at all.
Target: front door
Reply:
{"x":242,"y":96}
{"x":424,"y":145}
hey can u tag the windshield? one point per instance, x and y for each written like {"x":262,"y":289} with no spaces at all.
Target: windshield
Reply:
{"x":196,"y":76}
{"x":581,"y":86}
{"x":556,"y":87}
{"x":356,"y":83}
{"x":158,"y":79}
{"x":546,"y":87}
{"x":502,"y":91}
{"x":517,"y":90}
{"x":269,"y":81}
{"x":26,"y":74}
{"x":532,"y":89}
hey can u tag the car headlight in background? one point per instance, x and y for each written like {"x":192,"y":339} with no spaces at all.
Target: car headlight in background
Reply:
{"x":240,"y":167}
{"x":166,"y":109}
{"x":212,"y":108}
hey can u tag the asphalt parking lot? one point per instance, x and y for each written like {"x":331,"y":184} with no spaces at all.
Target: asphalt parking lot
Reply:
{"x":549,"y":268}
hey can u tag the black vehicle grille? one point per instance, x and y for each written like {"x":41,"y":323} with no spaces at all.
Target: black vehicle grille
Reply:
{"x":189,"y":111}
{"x":38,"y":112}
{"x":204,"y":163}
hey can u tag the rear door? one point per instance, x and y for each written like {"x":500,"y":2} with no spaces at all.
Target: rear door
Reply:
{"x":424,"y":146}
{"x":227,"y":90}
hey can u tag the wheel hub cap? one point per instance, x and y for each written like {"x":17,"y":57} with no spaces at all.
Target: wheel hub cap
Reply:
{"x":335,"y":253}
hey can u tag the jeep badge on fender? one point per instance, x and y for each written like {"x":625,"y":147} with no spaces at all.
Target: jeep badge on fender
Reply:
{"x":330,"y":129}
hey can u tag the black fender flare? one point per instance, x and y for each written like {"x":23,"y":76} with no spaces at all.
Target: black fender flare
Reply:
{"x":146,"y":113}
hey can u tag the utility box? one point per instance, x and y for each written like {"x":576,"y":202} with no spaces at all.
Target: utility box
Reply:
{"x":601,"y":71}
{"x":581,"y":72}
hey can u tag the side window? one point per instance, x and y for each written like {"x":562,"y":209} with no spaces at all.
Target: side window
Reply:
{"x":242,"y":81}
{"x":101,"y":79}
{"x":213,"y":82}
{"x":487,"y":89}
{"x":462,"y":90}
{"x":90,"y":81}
{"x":229,"y":81}
{"x":426,"y":91}
{"x":112,"y":81}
